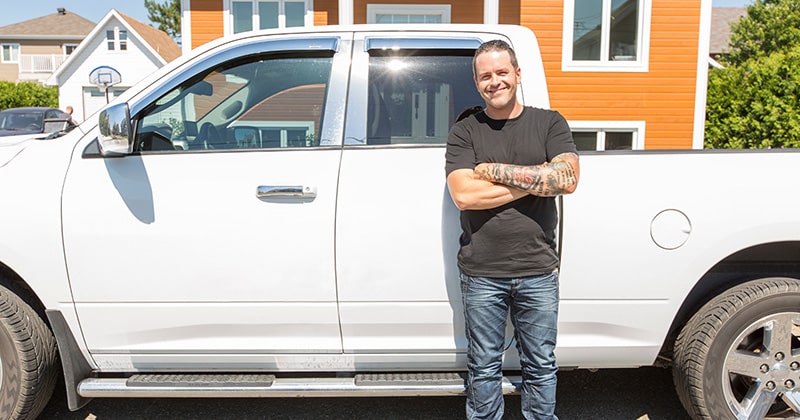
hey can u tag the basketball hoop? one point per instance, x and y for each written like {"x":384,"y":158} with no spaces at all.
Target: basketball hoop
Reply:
{"x":104,"y":77}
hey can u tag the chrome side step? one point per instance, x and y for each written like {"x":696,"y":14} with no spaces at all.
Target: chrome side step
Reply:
{"x":199,"y":380}
{"x":262,"y":385}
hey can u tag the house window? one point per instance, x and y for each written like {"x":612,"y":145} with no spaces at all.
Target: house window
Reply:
{"x":10,"y":53}
{"x":606,"y":35}
{"x":608,"y":135}
{"x":70,"y":48}
{"x":112,"y":92}
{"x":408,"y":13}
{"x":249,"y":15}
{"x":117,"y":39}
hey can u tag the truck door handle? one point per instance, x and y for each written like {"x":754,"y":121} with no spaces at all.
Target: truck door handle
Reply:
{"x":286,"y":191}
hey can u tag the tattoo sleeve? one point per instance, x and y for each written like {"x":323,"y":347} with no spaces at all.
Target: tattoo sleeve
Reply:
{"x":546,"y":180}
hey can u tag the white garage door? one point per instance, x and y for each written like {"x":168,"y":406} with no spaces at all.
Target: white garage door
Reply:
{"x":94,"y":98}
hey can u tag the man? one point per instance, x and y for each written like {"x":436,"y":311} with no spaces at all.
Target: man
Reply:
{"x":504,"y":167}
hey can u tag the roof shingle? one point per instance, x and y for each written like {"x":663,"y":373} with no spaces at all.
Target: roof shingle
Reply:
{"x":158,"y":39}
{"x":57,"y":24}
{"x":721,"y":20}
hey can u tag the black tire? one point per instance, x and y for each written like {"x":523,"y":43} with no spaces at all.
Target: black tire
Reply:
{"x":28,"y":359}
{"x":734,"y":358}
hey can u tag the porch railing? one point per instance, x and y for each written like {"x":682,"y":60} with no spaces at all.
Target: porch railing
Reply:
{"x":40,"y":63}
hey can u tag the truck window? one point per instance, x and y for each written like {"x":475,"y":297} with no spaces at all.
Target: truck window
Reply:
{"x":415,"y":98}
{"x":255,"y":103}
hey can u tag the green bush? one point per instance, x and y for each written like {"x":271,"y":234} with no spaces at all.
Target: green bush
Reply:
{"x":755,"y":104}
{"x":770,"y":26}
{"x":14,"y":95}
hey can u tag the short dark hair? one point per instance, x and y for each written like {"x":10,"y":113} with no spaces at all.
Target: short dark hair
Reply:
{"x":494,"y":45}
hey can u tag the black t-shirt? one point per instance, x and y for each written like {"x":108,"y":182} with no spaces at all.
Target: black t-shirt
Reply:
{"x":516,"y":239}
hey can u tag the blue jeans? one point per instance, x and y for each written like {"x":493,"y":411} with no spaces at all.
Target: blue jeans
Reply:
{"x":533,"y":304}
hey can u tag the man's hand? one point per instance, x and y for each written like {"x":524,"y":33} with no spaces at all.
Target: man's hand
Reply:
{"x":559,"y":176}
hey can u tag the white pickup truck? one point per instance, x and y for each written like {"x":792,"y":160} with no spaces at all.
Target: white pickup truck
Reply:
{"x":269,"y":217}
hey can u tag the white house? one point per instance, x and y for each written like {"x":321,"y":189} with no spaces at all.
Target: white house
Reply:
{"x":118,"y":45}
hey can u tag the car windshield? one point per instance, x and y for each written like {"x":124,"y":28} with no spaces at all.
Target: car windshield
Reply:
{"x":31,"y":121}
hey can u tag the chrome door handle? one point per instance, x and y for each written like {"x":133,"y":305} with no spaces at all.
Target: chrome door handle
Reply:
{"x":286,"y":191}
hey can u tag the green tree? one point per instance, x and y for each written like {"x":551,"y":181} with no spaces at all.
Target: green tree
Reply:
{"x":755,"y":104}
{"x":770,"y":26}
{"x":13,"y":95}
{"x":753,"y":101}
{"x":166,"y":15}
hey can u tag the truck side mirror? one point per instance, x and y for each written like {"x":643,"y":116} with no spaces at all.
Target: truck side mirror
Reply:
{"x":115,"y":137}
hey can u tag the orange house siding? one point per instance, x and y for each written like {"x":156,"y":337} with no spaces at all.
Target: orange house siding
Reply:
{"x":468,"y":11}
{"x":663,"y":97}
{"x":207,"y":21}
{"x":509,"y":12}
{"x":326,"y":12}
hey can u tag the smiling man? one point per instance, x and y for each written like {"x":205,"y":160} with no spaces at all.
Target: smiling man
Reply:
{"x":504,"y":167}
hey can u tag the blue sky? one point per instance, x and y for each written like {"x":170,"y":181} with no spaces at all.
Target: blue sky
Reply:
{"x":94,"y":10}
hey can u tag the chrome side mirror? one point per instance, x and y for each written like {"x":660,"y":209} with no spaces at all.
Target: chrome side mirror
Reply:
{"x":115,"y":137}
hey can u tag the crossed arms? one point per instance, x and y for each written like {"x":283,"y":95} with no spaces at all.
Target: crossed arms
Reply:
{"x":490,"y":185}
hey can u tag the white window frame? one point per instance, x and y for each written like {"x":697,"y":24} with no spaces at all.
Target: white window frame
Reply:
{"x":308,"y":17}
{"x":12,"y":48}
{"x":642,"y":62}
{"x":601,"y":127}
{"x":373,"y":10}
{"x":66,"y":46}
{"x":118,"y":43}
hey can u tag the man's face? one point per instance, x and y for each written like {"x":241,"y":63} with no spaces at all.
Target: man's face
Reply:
{"x":497,"y":79}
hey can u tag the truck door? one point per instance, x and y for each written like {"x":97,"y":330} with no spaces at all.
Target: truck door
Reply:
{"x":397,"y":228}
{"x":212,"y":245}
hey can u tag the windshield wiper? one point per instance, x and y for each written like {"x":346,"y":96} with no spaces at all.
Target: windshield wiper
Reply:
{"x":59,"y":133}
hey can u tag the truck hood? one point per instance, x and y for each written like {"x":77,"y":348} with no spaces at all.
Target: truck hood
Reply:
{"x":12,"y":148}
{"x":15,"y":133}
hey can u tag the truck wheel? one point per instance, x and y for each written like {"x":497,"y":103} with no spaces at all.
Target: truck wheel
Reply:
{"x":739,"y":355}
{"x":27,"y":359}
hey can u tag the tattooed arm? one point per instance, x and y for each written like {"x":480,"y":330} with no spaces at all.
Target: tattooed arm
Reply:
{"x":559,"y":176}
{"x":470,"y":193}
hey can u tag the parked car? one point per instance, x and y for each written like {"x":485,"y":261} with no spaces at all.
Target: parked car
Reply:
{"x":33,"y":121}
{"x":268,"y":216}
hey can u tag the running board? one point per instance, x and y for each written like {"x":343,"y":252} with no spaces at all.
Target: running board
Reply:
{"x":261,"y":385}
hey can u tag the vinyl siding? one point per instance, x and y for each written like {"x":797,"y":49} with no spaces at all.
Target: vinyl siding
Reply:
{"x":326,"y":12}
{"x":41,"y":48}
{"x":9,"y":72}
{"x":207,"y":21}
{"x":509,"y":12}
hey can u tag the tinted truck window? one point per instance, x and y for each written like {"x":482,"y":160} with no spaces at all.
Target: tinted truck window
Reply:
{"x":257,"y":103}
{"x":414,"y":99}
